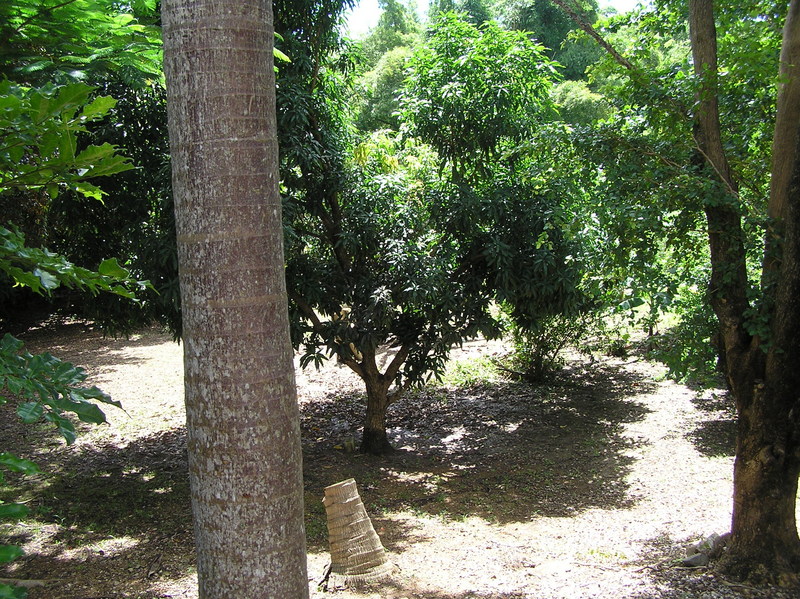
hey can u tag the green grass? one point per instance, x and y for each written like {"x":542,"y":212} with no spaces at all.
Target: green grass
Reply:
{"x":470,"y":372}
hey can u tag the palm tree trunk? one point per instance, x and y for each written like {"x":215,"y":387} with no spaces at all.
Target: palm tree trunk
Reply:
{"x":241,"y":408}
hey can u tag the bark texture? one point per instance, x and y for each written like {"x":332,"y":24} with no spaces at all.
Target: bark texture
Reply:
{"x":242,"y":416}
{"x":764,"y":544}
{"x":377,"y":383}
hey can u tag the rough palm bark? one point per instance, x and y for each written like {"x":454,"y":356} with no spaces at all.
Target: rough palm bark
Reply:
{"x":242,"y":417}
{"x":763,"y":374}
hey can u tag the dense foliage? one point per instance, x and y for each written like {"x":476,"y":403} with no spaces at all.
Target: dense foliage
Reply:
{"x":439,"y":180}
{"x":46,"y":112}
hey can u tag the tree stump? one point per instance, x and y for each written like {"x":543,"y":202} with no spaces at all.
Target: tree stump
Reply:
{"x":357,"y":555}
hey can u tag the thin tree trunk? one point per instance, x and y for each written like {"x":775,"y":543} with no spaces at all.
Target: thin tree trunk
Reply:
{"x":242,"y":417}
{"x":728,"y":285}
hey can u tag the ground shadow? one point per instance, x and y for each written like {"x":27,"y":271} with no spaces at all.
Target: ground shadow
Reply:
{"x":715,"y":436}
{"x":661,"y":561}
{"x":83,"y":343}
{"x":122,"y":512}
{"x":504,"y":452}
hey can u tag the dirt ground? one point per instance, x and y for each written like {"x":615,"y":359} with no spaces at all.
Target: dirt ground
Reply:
{"x":588,"y":486}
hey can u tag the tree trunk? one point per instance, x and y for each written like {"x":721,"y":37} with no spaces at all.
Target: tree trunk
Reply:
{"x":357,"y":554}
{"x":241,"y":409}
{"x":379,"y":399}
{"x":374,"y":440}
{"x":764,"y":545}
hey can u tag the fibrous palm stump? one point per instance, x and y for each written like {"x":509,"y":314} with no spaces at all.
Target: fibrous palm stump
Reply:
{"x":357,"y":555}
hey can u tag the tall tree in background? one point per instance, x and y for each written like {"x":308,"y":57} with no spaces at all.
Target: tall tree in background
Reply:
{"x":551,"y":26}
{"x":757,"y":312}
{"x":242,"y":418}
{"x":762,"y":362}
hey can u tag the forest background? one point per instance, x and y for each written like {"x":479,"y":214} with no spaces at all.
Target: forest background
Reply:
{"x":440,"y":181}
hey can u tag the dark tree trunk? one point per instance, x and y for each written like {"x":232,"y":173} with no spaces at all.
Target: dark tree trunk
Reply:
{"x":374,"y":440}
{"x":764,"y":546}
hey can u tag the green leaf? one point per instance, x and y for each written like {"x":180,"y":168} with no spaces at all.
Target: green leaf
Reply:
{"x":87,"y":412}
{"x":88,"y":190}
{"x":280,"y":55}
{"x":98,"y":107}
{"x":47,"y":280}
{"x":30,"y":411}
{"x":111,"y":268}
{"x":8,"y":591}
{"x":16,"y":464}
{"x":69,"y":96}
{"x":13,"y":511}
{"x":8,"y":553}
{"x":95,"y":154}
{"x":65,"y":427}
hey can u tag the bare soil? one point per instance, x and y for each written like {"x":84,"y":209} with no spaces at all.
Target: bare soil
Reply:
{"x":590,"y":485}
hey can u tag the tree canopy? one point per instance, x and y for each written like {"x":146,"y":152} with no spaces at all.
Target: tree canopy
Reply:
{"x":441,"y":179}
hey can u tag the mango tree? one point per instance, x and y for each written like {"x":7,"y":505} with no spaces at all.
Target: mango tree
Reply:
{"x":391,"y":265}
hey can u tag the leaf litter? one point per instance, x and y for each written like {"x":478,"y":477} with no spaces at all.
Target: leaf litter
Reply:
{"x":589,"y":485}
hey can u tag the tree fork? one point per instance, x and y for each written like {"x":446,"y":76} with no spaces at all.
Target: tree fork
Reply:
{"x":764,"y":546}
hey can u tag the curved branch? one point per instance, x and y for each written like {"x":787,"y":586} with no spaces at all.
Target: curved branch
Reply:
{"x":573,"y":14}
{"x":306,"y":309}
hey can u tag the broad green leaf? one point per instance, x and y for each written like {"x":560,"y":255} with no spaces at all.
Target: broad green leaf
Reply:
{"x":47,"y":279}
{"x":69,"y":96}
{"x":65,"y":428}
{"x":16,"y":464}
{"x":98,"y":107}
{"x":67,"y":144}
{"x":280,"y":55}
{"x":23,"y":278}
{"x":111,"y":268}
{"x":88,"y":190}
{"x":8,"y":591}
{"x":87,"y":412}
{"x":96,"y":394}
{"x":110,"y":165}
{"x":13,"y":511}
{"x":30,"y":411}
{"x":95,"y":154}
{"x":8,"y":553}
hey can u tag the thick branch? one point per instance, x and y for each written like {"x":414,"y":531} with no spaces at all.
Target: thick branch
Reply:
{"x":785,"y":202}
{"x":725,"y":237}
{"x":397,"y":361}
{"x":306,"y":309}
{"x":787,"y":120}
{"x":703,"y":35}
